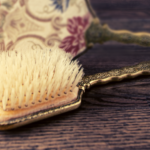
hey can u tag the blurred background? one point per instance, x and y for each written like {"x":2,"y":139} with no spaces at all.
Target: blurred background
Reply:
{"x":130,"y":14}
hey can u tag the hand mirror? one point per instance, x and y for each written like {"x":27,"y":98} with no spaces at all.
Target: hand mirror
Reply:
{"x":71,"y":25}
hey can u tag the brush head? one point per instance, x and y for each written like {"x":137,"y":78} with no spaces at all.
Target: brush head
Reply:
{"x":35,"y":80}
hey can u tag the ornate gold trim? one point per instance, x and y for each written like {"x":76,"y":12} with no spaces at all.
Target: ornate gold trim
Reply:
{"x":115,"y":75}
{"x":41,"y":115}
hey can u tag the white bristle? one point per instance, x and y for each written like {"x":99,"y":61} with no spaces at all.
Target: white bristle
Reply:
{"x":34,"y":76}
{"x":21,"y":95}
{"x":12,"y":98}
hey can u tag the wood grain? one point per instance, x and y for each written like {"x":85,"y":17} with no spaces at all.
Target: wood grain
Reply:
{"x":121,"y":4}
{"x":112,"y":117}
{"x":121,"y":9}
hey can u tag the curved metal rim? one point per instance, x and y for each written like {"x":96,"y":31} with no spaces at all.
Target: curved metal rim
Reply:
{"x":10,"y":124}
{"x":90,"y":8}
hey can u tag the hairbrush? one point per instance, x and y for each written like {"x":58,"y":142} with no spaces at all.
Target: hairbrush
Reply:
{"x":71,"y":25}
{"x":37,"y":84}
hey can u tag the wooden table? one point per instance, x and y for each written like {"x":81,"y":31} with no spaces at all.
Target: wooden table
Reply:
{"x":115,"y":116}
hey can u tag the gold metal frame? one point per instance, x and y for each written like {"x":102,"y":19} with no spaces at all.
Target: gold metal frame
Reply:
{"x":41,"y":115}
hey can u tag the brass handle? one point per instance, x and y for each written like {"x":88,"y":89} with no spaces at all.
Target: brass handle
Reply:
{"x":97,"y":33}
{"x":115,"y":75}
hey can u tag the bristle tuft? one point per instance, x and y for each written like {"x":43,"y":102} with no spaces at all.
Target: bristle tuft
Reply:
{"x":34,"y":76}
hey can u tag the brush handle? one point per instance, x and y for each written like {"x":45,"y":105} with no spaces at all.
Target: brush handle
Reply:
{"x":115,"y":75}
{"x":97,"y":33}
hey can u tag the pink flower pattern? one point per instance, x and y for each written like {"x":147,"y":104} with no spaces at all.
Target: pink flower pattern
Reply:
{"x":76,"y":27}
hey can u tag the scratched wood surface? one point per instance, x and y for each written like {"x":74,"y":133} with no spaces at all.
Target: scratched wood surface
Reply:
{"x":112,"y":117}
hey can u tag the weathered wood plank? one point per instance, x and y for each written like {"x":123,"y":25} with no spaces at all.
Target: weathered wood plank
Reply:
{"x":121,"y":5}
{"x":122,"y":9}
{"x":122,"y":14}
{"x":84,"y":129}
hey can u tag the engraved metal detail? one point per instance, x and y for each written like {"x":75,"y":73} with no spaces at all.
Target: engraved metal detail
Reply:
{"x":58,"y":110}
{"x":116,"y":75}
